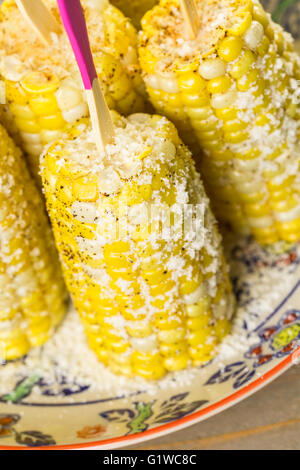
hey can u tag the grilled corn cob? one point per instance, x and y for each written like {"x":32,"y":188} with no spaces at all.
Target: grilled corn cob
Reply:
{"x":7,"y":120}
{"x":151,"y":300}
{"x":32,"y":293}
{"x":134,"y":9}
{"x":234,"y":92}
{"x":42,"y":84}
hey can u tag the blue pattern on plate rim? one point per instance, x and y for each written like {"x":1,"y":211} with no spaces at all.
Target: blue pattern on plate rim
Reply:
{"x":176,"y":407}
{"x":25,"y":438}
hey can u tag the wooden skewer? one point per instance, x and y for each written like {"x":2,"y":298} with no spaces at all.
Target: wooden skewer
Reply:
{"x":40,"y":18}
{"x":191,"y":17}
{"x":75,"y":26}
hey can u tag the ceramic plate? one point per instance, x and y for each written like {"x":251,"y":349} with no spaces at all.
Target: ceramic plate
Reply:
{"x":68,"y":413}
{"x":265,"y":341}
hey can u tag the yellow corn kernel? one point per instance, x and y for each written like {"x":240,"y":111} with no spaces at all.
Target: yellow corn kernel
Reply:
{"x":52,"y":122}
{"x":16,"y":348}
{"x":243,"y":23}
{"x":15,"y":93}
{"x":222,"y":328}
{"x":234,"y":126}
{"x":165,"y":321}
{"x":265,"y":234}
{"x":250,"y":154}
{"x":85,"y":189}
{"x":148,"y":60}
{"x":235,"y":137}
{"x":207,"y":136}
{"x":248,"y":198}
{"x":40,"y":331}
{"x":120,"y":368}
{"x":269,"y":31}
{"x":171,"y":336}
{"x":222,"y":155}
{"x":242,"y":65}
{"x":120,"y":88}
{"x":256,"y":210}
{"x":262,"y":120}
{"x":32,"y":304}
{"x":260,"y":15}
{"x":161,"y":301}
{"x":177,"y":362}
{"x":201,"y":336}
{"x":201,"y":354}
{"x":102,"y":353}
{"x":274,"y":187}
{"x":172,"y":348}
{"x":195,"y":100}
{"x":22,"y":111}
{"x":27,"y":125}
{"x":230,"y":48}
{"x":155,"y":276}
{"x":213,"y":146}
{"x":283,"y":205}
{"x":289,"y":228}
{"x":43,"y":105}
{"x":226,"y":114}
{"x":145,"y":359}
{"x":172,"y":100}
{"x":264,"y":46}
{"x":188,"y":286}
{"x":202,"y":113}
{"x":150,"y":374}
{"x":191,"y":82}
{"x":140,"y":329}
{"x":223,"y":100}
{"x":131,"y":302}
{"x":117,"y":247}
{"x":40,"y":82}
{"x":260,"y":87}
{"x":135,"y":194}
{"x":219,"y":84}
{"x":205,"y":124}
{"x":247,"y":81}
{"x":198,"y":322}
{"x":160,"y":289}
{"x":117,"y":345}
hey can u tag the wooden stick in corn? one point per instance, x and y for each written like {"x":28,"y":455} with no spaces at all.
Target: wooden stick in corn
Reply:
{"x":234,"y":95}
{"x":152,"y":290}
{"x":100,"y":116}
{"x":43,"y":88}
{"x":40,"y":18}
{"x":75,"y":25}
{"x":189,"y":11}
{"x":32,"y":291}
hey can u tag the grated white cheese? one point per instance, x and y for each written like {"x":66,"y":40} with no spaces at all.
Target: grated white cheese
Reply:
{"x":59,"y":358}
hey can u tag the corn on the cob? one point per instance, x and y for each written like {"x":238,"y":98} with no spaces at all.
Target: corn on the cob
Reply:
{"x":234,"y":92}
{"x":151,"y":301}
{"x":42,"y":84}
{"x":134,"y":9}
{"x":7,"y":120}
{"x":32,"y":292}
